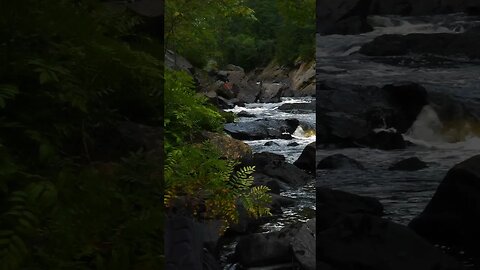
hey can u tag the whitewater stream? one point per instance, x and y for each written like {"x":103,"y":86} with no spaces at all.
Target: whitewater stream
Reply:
{"x":403,"y":194}
{"x":304,"y":197}
{"x":291,"y":150}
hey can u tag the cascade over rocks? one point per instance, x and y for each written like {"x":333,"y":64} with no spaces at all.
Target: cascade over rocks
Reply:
{"x":452,"y":217}
{"x":357,"y":115}
{"x":461,"y":45}
{"x":348,"y":17}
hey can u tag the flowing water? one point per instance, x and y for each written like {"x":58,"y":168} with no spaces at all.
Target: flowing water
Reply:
{"x":291,"y":149}
{"x":404,"y":194}
{"x":305,"y":134}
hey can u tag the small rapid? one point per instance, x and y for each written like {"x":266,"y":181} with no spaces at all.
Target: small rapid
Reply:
{"x":440,"y":143}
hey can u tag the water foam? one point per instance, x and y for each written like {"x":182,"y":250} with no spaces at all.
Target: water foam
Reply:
{"x":429,"y":131}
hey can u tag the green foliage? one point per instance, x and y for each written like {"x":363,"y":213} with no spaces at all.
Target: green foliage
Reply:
{"x":248,"y":33}
{"x":199,"y":180}
{"x":296,"y":34}
{"x":186,"y":114}
{"x":195,"y":28}
{"x":66,"y":71}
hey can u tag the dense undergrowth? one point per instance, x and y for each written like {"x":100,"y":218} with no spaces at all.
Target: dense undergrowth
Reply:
{"x":69,"y":198}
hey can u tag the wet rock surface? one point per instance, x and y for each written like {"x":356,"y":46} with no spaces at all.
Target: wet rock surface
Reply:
{"x":452,"y":217}
{"x":262,"y":129}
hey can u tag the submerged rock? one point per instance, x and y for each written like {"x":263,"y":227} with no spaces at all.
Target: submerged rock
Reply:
{"x":452,"y":217}
{"x":339,"y":161}
{"x":245,"y":114}
{"x":409,"y":164}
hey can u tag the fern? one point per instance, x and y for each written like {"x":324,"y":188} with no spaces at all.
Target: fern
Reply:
{"x":7,"y":91}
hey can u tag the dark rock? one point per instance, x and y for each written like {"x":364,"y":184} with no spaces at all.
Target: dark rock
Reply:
{"x":274,"y":166}
{"x":360,"y":241}
{"x":245,"y":90}
{"x":298,"y":107}
{"x":225,"y":90}
{"x":339,"y":161}
{"x":263,"y":249}
{"x":272,"y":92}
{"x":280,"y":201}
{"x":409,"y":164}
{"x":452,"y":217}
{"x":229,"y":147}
{"x":306,"y":161}
{"x":177,"y":62}
{"x":409,"y":99}
{"x":348,"y":115}
{"x":262,"y":129}
{"x":270,"y":143}
{"x":274,"y":185}
{"x":189,"y":243}
{"x":463,"y":45}
{"x":346,"y":17}
{"x":424,"y":7}
{"x":332,"y":205}
{"x":295,"y":242}
{"x":303,"y":245}
{"x":293,"y":144}
{"x":384,"y":140}
{"x":245,"y":114}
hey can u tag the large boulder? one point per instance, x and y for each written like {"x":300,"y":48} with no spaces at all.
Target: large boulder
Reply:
{"x":229,"y":147}
{"x":272,"y":92}
{"x":263,"y":249}
{"x":359,"y":241}
{"x":332,"y":205}
{"x":346,"y":17}
{"x":177,"y":62}
{"x":262,"y":129}
{"x":293,"y":244}
{"x":307,"y":159}
{"x":245,"y":90}
{"x":275,"y":167}
{"x":303,"y":79}
{"x":452,"y":217}
{"x":462,"y":45}
{"x":303,"y":245}
{"x":298,"y":107}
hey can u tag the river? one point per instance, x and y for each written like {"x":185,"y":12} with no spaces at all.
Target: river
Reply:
{"x":403,"y":194}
